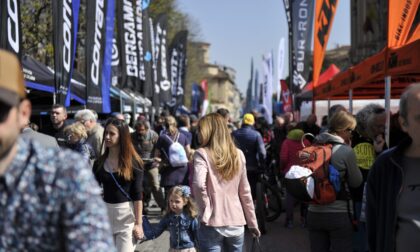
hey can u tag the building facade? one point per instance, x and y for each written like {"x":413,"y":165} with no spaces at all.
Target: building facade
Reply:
{"x":368,"y":28}
{"x":222,"y":90}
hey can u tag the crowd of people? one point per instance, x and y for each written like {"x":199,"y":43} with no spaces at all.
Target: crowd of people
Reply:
{"x":85,"y":183}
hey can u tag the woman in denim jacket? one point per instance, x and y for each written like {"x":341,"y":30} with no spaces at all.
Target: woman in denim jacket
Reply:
{"x":181,"y":220}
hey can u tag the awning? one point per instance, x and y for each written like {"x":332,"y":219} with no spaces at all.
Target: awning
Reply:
{"x":366,"y":79}
{"x":327,"y":75}
{"x":40,"y":77}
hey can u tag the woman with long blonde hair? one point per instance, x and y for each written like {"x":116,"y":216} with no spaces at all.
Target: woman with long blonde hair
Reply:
{"x":221,"y":188}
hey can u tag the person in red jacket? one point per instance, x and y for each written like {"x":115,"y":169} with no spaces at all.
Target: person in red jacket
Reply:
{"x":288,"y":157}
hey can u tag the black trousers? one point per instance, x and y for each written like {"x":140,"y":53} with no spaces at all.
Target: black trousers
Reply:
{"x":253,"y":179}
{"x":330,"y":232}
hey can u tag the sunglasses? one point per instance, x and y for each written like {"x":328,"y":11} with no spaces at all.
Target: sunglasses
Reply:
{"x":349,"y":130}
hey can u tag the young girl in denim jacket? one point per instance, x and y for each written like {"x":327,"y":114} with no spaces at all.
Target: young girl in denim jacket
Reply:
{"x":181,"y":220}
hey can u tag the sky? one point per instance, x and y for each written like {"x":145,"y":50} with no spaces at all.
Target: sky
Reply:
{"x":239,"y":30}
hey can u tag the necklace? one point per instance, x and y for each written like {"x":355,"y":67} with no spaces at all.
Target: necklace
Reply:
{"x":109,"y":167}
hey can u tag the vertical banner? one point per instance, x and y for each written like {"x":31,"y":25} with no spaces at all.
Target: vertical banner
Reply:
{"x":162,"y":78}
{"x":197,"y":97}
{"x":205,"y":88}
{"x":255,"y":96}
{"x":65,"y":21}
{"x":325,"y":11}
{"x":286,"y":98}
{"x":280,"y":65}
{"x":128,"y":44}
{"x":288,"y":10}
{"x":10,"y":26}
{"x":177,"y":67}
{"x":401,"y":14}
{"x":267,"y":88}
{"x":147,"y":88}
{"x":302,"y":18}
{"x":115,"y":63}
{"x":248,"y":105}
{"x":156,"y":93}
{"x":140,"y":48}
{"x":100,"y":24}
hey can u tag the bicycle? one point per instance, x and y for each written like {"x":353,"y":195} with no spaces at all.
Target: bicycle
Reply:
{"x":268,"y":201}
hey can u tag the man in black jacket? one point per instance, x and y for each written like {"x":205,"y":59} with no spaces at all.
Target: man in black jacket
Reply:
{"x":393,"y":186}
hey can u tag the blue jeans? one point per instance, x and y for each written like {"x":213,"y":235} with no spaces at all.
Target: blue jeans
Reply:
{"x":212,"y":241}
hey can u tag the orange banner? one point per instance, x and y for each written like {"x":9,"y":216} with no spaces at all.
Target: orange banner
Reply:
{"x":325,"y":11}
{"x":340,"y":82}
{"x":371,"y":69}
{"x":405,"y":61}
{"x":416,"y":34}
{"x":400,"y":19}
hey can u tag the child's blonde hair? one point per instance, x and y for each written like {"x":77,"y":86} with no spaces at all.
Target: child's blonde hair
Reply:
{"x":185,"y":193}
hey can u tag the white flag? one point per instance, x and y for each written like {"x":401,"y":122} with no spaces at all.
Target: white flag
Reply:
{"x":267,"y":107}
{"x":280,"y":66}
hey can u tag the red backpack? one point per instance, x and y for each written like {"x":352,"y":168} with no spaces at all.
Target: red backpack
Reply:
{"x":316,"y":158}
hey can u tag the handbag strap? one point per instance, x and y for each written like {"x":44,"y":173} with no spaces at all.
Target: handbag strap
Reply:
{"x":119,"y":187}
{"x":175,"y":139}
{"x":256,"y":246}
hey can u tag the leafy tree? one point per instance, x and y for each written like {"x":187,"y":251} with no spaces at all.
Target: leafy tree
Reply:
{"x":37,"y":30}
{"x":37,"y":34}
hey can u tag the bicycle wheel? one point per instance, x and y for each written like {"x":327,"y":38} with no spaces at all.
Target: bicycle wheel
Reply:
{"x":272,"y":202}
{"x":260,"y":207}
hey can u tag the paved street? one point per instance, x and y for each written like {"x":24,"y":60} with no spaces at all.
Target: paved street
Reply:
{"x":277,"y":239}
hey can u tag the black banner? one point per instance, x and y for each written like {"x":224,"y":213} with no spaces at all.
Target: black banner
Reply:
{"x":302,"y":18}
{"x":115,"y":63}
{"x":162,"y":78}
{"x":139,"y":33}
{"x":156,"y":94}
{"x":177,"y":67}
{"x":128,"y":44}
{"x":10,"y":26}
{"x":147,"y":88}
{"x":65,"y":16}
{"x":288,"y":10}
{"x":100,"y":26}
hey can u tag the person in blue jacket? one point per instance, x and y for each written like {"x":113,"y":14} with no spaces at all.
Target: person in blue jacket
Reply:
{"x":181,"y":220}
{"x":250,"y":142}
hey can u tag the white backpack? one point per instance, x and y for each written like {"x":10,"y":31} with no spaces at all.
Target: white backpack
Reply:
{"x":176,"y":154}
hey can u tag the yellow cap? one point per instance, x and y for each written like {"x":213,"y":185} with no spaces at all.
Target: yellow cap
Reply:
{"x":12,"y":86}
{"x":248,"y":119}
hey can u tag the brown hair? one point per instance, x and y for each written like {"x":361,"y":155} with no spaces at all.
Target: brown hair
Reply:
{"x":190,"y":207}
{"x":128,"y":154}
